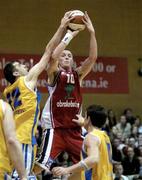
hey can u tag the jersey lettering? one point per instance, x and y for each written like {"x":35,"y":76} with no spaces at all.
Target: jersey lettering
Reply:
{"x":70,"y":78}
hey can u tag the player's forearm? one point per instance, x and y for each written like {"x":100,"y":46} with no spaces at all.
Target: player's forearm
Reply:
{"x":93,"y":52}
{"x":15,"y":153}
{"x":63,"y":44}
{"x":56,"y":39}
{"x":83,"y":164}
{"x":74,"y":168}
{"x":57,"y":52}
{"x":91,"y":160}
{"x":39,"y":67}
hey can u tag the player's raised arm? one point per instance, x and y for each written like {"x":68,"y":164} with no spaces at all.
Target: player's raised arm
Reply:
{"x":87,"y":65}
{"x":36,"y":70}
{"x":62,"y":45}
{"x":13,"y":145}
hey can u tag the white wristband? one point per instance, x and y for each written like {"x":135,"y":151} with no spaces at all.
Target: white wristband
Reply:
{"x":67,"y":38}
{"x":84,"y":165}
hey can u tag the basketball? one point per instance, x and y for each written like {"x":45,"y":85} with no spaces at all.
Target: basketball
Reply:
{"x":77,"y":23}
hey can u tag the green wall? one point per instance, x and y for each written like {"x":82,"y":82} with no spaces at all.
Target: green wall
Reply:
{"x":26,"y":26}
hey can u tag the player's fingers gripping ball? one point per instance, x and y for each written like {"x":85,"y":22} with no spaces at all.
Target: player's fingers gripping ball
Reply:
{"x":77,"y":23}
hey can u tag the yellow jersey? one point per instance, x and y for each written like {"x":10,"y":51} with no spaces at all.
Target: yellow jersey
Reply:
{"x":25,"y":104}
{"x":103,"y":169}
{"x":4,"y":158}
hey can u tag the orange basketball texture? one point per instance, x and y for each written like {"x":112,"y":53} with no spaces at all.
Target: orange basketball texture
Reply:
{"x":76,"y":23}
{"x":77,"y":20}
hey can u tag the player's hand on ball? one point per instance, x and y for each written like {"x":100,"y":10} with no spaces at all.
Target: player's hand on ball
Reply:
{"x":77,"y":23}
{"x":87,"y":21}
{"x":66,"y":19}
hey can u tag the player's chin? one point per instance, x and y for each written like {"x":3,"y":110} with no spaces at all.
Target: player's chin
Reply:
{"x":66,"y":65}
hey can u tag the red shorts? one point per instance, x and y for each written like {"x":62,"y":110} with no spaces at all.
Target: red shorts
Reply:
{"x":55,"y":141}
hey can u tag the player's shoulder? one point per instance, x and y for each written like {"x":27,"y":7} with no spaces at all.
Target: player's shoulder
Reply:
{"x":4,"y":105}
{"x":92,"y":138}
{"x":2,"y":102}
{"x":21,"y":78}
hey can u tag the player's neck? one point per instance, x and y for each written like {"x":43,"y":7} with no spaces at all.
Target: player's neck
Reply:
{"x":91,"y":128}
{"x":17,"y":77}
{"x":66,"y":68}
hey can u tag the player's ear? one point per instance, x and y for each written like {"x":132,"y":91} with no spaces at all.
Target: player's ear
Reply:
{"x":16,"y":73}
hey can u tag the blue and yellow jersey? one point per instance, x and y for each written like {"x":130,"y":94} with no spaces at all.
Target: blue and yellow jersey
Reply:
{"x":103,"y":169}
{"x":4,"y":158}
{"x":25,"y":104}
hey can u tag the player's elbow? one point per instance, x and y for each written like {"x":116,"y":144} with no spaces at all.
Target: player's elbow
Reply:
{"x":41,"y":65}
{"x":94,"y":159}
{"x":93,"y":58}
{"x":11,"y":141}
{"x":48,"y":48}
{"x":54,"y":55}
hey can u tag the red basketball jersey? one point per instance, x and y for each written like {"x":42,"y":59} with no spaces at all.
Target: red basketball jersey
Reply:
{"x":64,"y":101}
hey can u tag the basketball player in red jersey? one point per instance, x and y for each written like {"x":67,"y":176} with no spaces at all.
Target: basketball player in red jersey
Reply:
{"x":65,"y":101}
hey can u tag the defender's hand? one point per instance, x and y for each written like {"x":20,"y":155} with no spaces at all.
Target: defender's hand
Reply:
{"x":79,"y":121}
